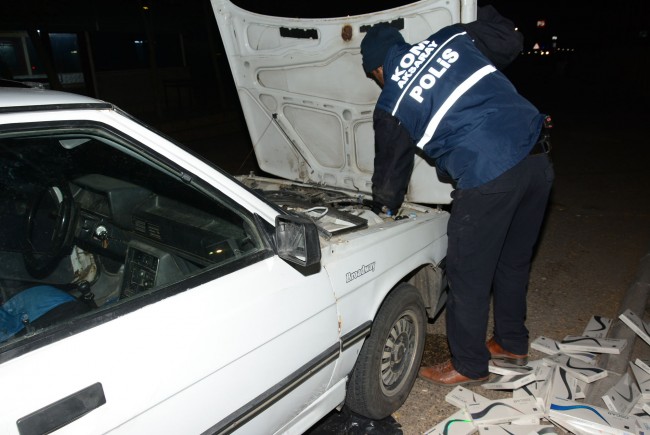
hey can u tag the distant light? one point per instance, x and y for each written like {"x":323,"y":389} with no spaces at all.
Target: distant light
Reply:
{"x":516,"y":29}
{"x":554,"y":38}
{"x":137,"y":41}
{"x":146,"y":8}
{"x":548,"y":52}
{"x":73,"y":52}
{"x":541,"y":23}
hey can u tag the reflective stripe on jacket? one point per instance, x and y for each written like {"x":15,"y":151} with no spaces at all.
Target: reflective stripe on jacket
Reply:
{"x":458,"y":107}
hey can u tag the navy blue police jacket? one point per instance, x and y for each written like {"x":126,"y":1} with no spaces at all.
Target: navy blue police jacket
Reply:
{"x":444,"y":97}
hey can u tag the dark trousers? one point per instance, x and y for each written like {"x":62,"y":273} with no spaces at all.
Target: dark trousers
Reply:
{"x":492,"y":232}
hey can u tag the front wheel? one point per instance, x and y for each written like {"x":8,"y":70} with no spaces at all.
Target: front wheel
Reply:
{"x":390,"y":358}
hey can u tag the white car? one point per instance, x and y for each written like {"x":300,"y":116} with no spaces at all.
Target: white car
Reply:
{"x":143,"y":290}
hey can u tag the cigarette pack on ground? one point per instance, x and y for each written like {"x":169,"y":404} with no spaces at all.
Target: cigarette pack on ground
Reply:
{"x":458,"y":424}
{"x":581,"y":388}
{"x":551,"y":347}
{"x":515,"y":429}
{"x":504,"y":410}
{"x":642,"y":416}
{"x":505,"y":369}
{"x":535,"y":363}
{"x":545,"y":345}
{"x":530,"y":390}
{"x":527,"y":420}
{"x":461,"y":397}
{"x":588,"y":357}
{"x":639,"y":406}
{"x":644,"y":364}
{"x":509,"y":382}
{"x":539,"y":388}
{"x":575,"y":429}
{"x":597,"y":327}
{"x":563,"y":386}
{"x":637,"y":325}
{"x":623,"y":395}
{"x":543,"y":371}
{"x":583,"y":371}
{"x":579,"y":343}
{"x":642,"y":419}
{"x":642,"y":380}
{"x":591,"y":418}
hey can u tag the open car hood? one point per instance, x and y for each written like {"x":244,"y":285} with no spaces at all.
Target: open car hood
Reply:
{"x":307,"y":101}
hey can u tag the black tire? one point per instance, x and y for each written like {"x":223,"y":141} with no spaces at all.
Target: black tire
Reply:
{"x":389,"y":360}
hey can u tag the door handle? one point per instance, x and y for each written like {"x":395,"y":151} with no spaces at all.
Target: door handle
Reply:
{"x":62,"y":412}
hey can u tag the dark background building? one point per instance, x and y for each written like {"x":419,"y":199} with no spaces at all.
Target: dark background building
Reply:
{"x":154,"y":59}
{"x":163,"y":59}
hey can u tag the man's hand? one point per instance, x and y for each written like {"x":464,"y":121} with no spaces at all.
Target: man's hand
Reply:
{"x":378,"y":208}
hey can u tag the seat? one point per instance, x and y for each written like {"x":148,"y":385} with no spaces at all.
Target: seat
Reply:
{"x":37,"y":307}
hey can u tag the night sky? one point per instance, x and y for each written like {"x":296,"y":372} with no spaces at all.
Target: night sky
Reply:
{"x":611,"y":39}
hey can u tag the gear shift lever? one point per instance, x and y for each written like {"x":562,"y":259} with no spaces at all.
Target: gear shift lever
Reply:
{"x":86,"y":294}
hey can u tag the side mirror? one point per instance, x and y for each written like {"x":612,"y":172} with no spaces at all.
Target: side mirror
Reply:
{"x":297,"y":240}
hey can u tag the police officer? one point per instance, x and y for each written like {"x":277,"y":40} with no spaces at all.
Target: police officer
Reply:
{"x":446,"y":96}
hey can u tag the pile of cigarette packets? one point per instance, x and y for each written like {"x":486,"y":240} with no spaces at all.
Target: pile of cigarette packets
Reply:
{"x":548,"y":394}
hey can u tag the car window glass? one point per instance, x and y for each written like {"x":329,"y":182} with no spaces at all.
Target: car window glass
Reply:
{"x":88,"y":222}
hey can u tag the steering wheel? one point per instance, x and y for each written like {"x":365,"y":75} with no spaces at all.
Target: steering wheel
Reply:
{"x":50,"y":229}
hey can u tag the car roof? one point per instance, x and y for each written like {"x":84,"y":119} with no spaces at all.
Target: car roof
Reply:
{"x":29,"y":97}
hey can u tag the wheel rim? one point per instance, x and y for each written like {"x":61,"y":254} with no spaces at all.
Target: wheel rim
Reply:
{"x":399,"y":353}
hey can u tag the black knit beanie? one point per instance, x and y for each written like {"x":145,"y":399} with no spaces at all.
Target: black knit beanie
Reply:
{"x":376,"y":43}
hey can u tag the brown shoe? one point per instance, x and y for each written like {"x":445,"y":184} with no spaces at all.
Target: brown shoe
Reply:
{"x":499,"y":353}
{"x":446,"y":374}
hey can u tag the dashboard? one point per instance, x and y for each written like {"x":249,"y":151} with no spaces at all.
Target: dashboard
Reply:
{"x":158,"y":240}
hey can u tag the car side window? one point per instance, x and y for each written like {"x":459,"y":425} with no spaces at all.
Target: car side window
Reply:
{"x":88,"y":222}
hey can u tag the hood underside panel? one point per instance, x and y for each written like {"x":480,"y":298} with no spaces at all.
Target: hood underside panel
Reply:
{"x":307,"y":102}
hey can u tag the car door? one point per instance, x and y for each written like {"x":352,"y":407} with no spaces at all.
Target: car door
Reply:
{"x":197,"y":325}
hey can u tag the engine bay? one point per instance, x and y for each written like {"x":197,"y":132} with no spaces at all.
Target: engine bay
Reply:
{"x":334,"y":211}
